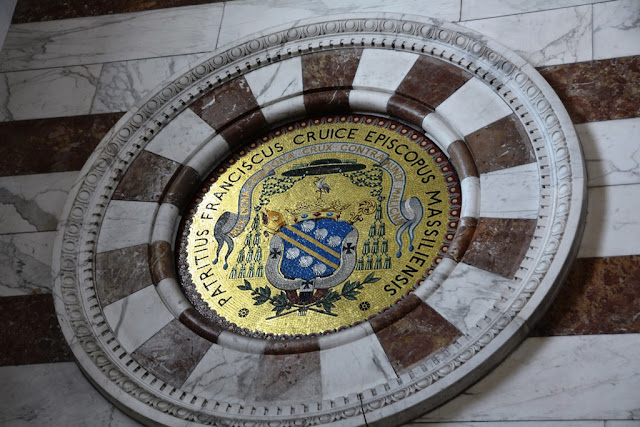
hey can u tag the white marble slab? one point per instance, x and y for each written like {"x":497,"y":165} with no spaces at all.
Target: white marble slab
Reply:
{"x":54,"y":394}
{"x":33,"y":202}
{"x":243,"y":17}
{"x":25,"y":263}
{"x":543,"y":38}
{"x":589,"y":377}
{"x":280,"y":80}
{"x":110,"y":38}
{"x":123,"y":84}
{"x":137,"y":317}
{"x":223,"y":373}
{"x":478,"y":9}
{"x":126,"y":223}
{"x":511,"y":193}
{"x":53,"y":92}
{"x":473,"y":106}
{"x":466,"y":296}
{"x":616,"y":29}
{"x":613,"y":222}
{"x":611,"y":151}
{"x":383,"y":69}
{"x":184,"y":134}
{"x":353,"y":367}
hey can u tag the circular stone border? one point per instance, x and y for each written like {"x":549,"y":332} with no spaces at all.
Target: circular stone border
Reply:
{"x":417,"y":389}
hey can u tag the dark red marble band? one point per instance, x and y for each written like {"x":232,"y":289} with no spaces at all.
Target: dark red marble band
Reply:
{"x":462,"y":160}
{"x":302,"y":345}
{"x":330,"y":101}
{"x":198,"y":324}
{"x":393,"y":314}
{"x":500,"y":244}
{"x":462,"y":238}
{"x":182,"y":187}
{"x":415,"y":336}
{"x":407,"y":110}
{"x":146,"y":178}
{"x":161,"y":261}
{"x":244,"y":129}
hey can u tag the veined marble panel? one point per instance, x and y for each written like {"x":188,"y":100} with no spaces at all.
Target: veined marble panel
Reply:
{"x":136,"y":318}
{"x":472,"y":107}
{"x":478,"y":9}
{"x":511,"y":193}
{"x":543,"y":38}
{"x":279,"y":80}
{"x":240,"y":15}
{"x":123,"y":84}
{"x":612,"y":222}
{"x":353,"y":367}
{"x":125,"y":224}
{"x":612,"y":151}
{"x":616,"y":29}
{"x":109,"y":38}
{"x":466,"y":296}
{"x":54,"y":394}
{"x":185,"y":133}
{"x":33,"y":202}
{"x":383,"y":69}
{"x":6,"y":10}
{"x":589,"y":377}
{"x":52,"y":92}
{"x":25,"y":263}
{"x":223,"y":374}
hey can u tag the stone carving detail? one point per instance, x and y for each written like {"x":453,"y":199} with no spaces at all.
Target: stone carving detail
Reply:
{"x":80,"y":229}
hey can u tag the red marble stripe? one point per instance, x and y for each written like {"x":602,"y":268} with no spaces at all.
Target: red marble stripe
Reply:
{"x":51,"y":145}
{"x":591,"y":91}
{"x":29,"y":331}
{"x":121,"y":272}
{"x":38,"y":10}
{"x":417,"y":335}
{"x":146,"y":178}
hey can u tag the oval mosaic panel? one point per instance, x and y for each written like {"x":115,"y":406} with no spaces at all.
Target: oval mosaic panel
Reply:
{"x":343,"y":222}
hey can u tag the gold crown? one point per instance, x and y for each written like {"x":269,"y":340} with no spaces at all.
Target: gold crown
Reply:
{"x":273,"y":221}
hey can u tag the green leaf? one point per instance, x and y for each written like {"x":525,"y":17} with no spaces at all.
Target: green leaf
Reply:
{"x":246,"y":286}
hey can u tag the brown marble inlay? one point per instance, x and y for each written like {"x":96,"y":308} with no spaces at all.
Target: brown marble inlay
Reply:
{"x":226,"y":103}
{"x":162,"y":261}
{"x":462,"y":238}
{"x":597,"y":90}
{"x":29,"y":331}
{"x":406,"y":109}
{"x":600,"y":296}
{"x":499,"y":245}
{"x":287,"y":377}
{"x":330,"y":101}
{"x":502,"y":144}
{"x":462,"y":160}
{"x":51,"y":145}
{"x":182,"y":187}
{"x":241,"y":131}
{"x":121,"y":272}
{"x":415,"y":336}
{"x":172,"y":353}
{"x":198,"y":324}
{"x":146,"y":178}
{"x":401,"y":309}
{"x":431,"y":81}
{"x":333,"y":69}
{"x":38,"y":10}
{"x":303,"y":345}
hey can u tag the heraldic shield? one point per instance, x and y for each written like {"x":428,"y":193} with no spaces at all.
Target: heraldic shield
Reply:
{"x":313,"y":254}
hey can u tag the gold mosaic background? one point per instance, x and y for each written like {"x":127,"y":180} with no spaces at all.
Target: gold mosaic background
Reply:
{"x":242,"y":295}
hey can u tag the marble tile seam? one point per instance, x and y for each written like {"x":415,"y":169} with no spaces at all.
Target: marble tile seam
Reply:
{"x":486,"y":7}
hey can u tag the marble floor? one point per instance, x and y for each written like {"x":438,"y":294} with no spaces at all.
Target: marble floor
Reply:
{"x":67,"y":76}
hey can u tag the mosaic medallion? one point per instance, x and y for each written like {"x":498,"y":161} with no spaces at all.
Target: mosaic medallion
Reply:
{"x":319,"y":225}
{"x":339,"y":222}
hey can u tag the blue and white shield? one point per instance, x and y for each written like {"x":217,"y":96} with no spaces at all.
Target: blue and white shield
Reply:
{"x":322,"y":251}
